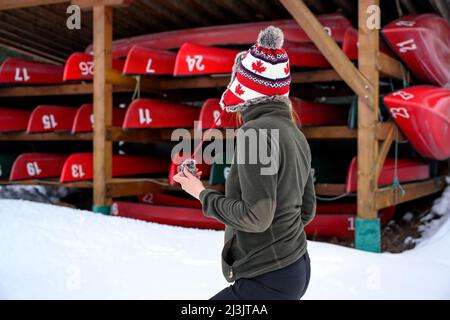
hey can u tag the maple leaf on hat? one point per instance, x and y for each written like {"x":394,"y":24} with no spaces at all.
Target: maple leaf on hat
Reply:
{"x":286,"y":69}
{"x":239,"y":90}
{"x":258,"y":67}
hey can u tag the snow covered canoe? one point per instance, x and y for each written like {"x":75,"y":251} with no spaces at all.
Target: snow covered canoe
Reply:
{"x":22,"y":71}
{"x":423,"y":44}
{"x":423,"y":115}
{"x":338,"y":221}
{"x":407,"y":170}
{"x":14,"y":119}
{"x":80,"y":66}
{"x":79,"y":166}
{"x":142,"y":60}
{"x":84,"y":118}
{"x":237,"y":34}
{"x":37,"y":166}
{"x":154,"y":113}
{"x":47,"y":118}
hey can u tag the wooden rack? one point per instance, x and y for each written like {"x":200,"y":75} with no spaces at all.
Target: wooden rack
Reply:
{"x":374,"y":138}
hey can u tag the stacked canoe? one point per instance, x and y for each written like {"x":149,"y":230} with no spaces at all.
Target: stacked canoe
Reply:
{"x":421,"y":42}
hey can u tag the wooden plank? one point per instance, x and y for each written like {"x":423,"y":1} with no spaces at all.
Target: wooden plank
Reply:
{"x":329,"y":48}
{"x":389,"y":196}
{"x":390,"y":67}
{"x":329,"y":189}
{"x":125,"y":187}
{"x":116,"y":79}
{"x":48,"y":183}
{"x":137,"y":135}
{"x":53,"y":90}
{"x":46,"y":136}
{"x":17,"y":4}
{"x":367,"y":114}
{"x":102,"y":32}
{"x":89,"y":4}
{"x":329,"y":132}
{"x":385,"y":149}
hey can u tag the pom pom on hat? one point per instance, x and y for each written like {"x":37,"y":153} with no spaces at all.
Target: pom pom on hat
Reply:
{"x":271,"y":38}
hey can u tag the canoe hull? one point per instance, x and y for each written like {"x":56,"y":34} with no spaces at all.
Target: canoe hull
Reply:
{"x":37,"y":166}
{"x":14,"y":119}
{"x":22,"y":71}
{"x":48,"y":118}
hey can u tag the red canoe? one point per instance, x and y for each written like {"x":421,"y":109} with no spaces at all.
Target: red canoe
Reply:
{"x":210,"y":112}
{"x":17,"y":70}
{"x":195,"y":59}
{"x":148,"y":61}
{"x":174,"y":216}
{"x":80,"y":66}
{"x":350,"y":45}
{"x":14,"y":119}
{"x":175,"y":167}
{"x":236,"y":34}
{"x":407,"y":170}
{"x":162,"y":199}
{"x":79,"y":166}
{"x":153,"y":113}
{"x":84,"y":118}
{"x":338,"y":220}
{"x":423,"y":43}
{"x":423,"y":115}
{"x":46,"y":118}
{"x":311,"y":113}
{"x":37,"y":166}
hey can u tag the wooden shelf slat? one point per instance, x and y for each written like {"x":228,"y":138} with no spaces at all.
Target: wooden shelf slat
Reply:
{"x":48,"y":183}
{"x":389,"y":196}
{"x":45,"y":136}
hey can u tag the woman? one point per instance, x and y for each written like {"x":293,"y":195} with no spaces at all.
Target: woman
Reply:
{"x":264,"y":211}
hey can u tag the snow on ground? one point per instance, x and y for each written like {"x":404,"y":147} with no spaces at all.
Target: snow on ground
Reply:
{"x":49,"y":252}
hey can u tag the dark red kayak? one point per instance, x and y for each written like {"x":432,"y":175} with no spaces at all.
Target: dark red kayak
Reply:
{"x":407,"y":170}
{"x":331,"y":220}
{"x":84,"y":118}
{"x":163,"y":199}
{"x":154,"y":113}
{"x":22,"y":71}
{"x":142,"y":60}
{"x":312,"y":113}
{"x":174,"y":216}
{"x":14,"y":119}
{"x":338,"y":220}
{"x":423,"y":115}
{"x":236,"y":34}
{"x":47,"y":118}
{"x":80,"y":66}
{"x":423,"y":44}
{"x":79,"y":166}
{"x":210,"y":112}
{"x":37,"y":166}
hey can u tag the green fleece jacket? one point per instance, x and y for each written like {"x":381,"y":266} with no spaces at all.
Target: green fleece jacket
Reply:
{"x":264,"y":211}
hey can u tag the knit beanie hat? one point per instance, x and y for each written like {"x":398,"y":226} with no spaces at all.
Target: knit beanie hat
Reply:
{"x":261,"y":74}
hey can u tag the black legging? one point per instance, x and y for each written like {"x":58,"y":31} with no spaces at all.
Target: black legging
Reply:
{"x":289,"y":283}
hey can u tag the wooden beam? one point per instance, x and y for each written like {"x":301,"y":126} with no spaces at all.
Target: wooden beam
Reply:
{"x":48,"y":183}
{"x":329,"y":132}
{"x":389,"y":196}
{"x":125,"y":187}
{"x":17,"y":4}
{"x":47,"y":136}
{"x":385,"y":149}
{"x":102,"y":20}
{"x":330,"y":189}
{"x":329,"y":48}
{"x":118,"y":80}
{"x":53,"y":90}
{"x":89,"y":4}
{"x":367,"y":114}
{"x":390,"y":67}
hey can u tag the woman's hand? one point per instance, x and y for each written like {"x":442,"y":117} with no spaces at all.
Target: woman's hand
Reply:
{"x":190,"y":183}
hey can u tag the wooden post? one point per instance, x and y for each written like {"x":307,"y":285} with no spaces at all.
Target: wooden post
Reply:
{"x":102,"y":33}
{"x":367,"y":228}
